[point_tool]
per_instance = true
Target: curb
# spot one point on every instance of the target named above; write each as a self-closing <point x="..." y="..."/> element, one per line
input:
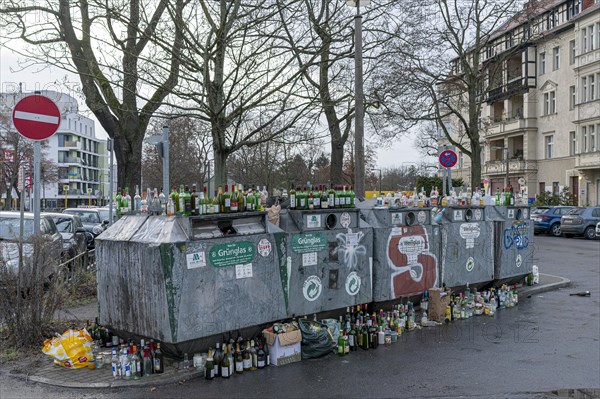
<point x="144" y="382"/>
<point x="563" y="282"/>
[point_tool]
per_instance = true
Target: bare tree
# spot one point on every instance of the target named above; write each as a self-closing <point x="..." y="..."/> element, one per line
<point x="126" y="54"/>
<point x="440" y="74"/>
<point x="189" y="149"/>
<point x="238" y="77"/>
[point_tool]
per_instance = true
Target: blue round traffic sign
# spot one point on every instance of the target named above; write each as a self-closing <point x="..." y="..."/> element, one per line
<point x="448" y="158"/>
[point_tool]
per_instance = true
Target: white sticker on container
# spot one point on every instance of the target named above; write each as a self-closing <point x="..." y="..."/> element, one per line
<point x="264" y="247"/>
<point x="511" y="213"/>
<point x="197" y="259"/>
<point x="313" y="221"/>
<point x="421" y="217"/>
<point x="309" y="259"/>
<point x="470" y="264"/>
<point x="478" y="214"/>
<point x="353" y="284"/>
<point x="396" y="218"/>
<point x="458" y="215"/>
<point x="470" y="231"/>
<point x="345" y="220"/>
<point x="312" y="287"/>
<point x="243" y="271"/>
<point x="519" y="260"/>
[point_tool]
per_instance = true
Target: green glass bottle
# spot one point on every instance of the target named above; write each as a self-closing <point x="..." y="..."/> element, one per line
<point x="175" y="198"/>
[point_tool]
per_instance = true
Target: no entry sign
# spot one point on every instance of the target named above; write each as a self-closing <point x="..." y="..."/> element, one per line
<point x="36" y="117"/>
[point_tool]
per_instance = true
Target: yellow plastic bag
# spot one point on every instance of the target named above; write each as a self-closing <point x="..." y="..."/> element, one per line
<point x="72" y="349"/>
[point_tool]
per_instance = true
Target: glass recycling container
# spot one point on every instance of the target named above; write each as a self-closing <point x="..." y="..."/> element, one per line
<point x="177" y="279"/>
<point x="467" y="249"/>
<point x="405" y="248"/>
<point x="329" y="259"/>
<point x="513" y="242"/>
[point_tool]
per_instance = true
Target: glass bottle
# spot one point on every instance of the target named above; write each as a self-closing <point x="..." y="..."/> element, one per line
<point x="163" y="201"/>
<point x="331" y="198"/>
<point x="226" y="200"/>
<point x="218" y="357"/>
<point x="170" y="206"/>
<point x="234" y="205"/>
<point x="175" y="198"/>
<point x="194" y="202"/>
<point x="137" y="199"/>
<point x="147" y="363"/>
<point x="247" y="358"/>
<point x="209" y="366"/>
<point x="241" y="199"/>
<point x="225" y="370"/>
<point x="239" y="359"/>
<point x="261" y="357"/>
<point x="159" y="364"/>
<point x="253" y="356"/>
<point x="115" y="364"/>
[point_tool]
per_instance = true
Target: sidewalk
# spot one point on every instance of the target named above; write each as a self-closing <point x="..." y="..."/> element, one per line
<point x="44" y="371"/>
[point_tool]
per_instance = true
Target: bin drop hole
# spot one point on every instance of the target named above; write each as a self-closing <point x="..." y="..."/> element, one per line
<point x="226" y="227"/>
<point x="468" y="215"/>
<point x="333" y="278"/>
<point x="331" y="221"/>
<point x="410" y="218"/>
<point x="519" y="214"/>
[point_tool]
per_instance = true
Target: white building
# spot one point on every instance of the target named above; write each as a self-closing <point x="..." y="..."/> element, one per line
<point x="81" y="157"/>
<point x="541" y="118"/>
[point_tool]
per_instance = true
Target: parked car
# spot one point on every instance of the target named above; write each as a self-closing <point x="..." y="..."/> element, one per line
<point x="581" y="222"/>
<point x="598" y="230"/>
<point x="75" y="237"/>
<point x="546" y="219"/>
<point x="9" y="237"/>
<point x="91" y="220"/>
<point x="104" y="214"/>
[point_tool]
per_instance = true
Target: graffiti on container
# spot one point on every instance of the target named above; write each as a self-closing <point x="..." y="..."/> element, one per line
<point x="349" y="248"/>
<point x="414" y="267"/>
<point x="516" y="235"/>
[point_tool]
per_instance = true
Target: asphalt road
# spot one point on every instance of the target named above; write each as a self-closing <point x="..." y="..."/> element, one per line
<point x="550" y="341"/>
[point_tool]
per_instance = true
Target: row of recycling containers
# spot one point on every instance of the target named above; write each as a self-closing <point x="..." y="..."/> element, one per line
<point x="178" y="279"/>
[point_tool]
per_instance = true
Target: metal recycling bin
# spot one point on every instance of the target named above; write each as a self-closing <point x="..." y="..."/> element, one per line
<point x="405" y="248"/>
<point x="467" y="250"/>
<point x="513" y="242"/>
<point x="329" y="259"/>
<point x="178" y="279"/>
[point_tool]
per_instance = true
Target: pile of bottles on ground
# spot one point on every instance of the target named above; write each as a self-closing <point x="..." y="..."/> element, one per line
<point x="456" y="197"/>
<point x="185" y="203"/>
<point x="360" y="327"/>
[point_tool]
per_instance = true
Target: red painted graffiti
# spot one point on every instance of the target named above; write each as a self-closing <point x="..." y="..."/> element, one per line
<point x="414" y="267"/>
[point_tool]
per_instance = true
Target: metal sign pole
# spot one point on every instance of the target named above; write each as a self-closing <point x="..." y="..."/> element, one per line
<point x="37" y="154"/>
<point x="165" y="140"/>
<point x="109" y="147"/>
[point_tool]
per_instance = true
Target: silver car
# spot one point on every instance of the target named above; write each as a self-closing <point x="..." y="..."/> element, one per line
<point x="9" y="240"/>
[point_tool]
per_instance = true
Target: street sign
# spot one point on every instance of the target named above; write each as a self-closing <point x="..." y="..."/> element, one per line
<point x="36" y="117"/>
<point x="65" y="187"/>
<point x="448" y="158"/>
<point x="89" y="190"/>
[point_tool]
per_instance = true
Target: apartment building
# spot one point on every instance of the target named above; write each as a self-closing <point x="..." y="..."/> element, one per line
<point x="80" y="157"/>
<point x="540" y="122"/>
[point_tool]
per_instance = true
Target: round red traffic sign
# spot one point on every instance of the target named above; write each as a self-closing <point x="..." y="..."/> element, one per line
<point x="448" y="158"/>
<point x="36" y="117"/>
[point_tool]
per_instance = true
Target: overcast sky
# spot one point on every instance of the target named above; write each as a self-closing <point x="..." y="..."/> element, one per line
<point x="401" y="150"/>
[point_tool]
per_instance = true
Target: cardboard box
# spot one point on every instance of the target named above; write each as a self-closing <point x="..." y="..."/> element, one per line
<point x="438" y="301"/>
<point x="284" y="348"/>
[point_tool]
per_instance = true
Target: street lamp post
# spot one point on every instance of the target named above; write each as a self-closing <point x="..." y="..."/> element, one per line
<point x="359" y="149"/>
<point x="379" y="170"/>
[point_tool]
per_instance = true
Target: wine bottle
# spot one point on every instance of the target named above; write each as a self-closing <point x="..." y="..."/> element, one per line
<point x="218" y="358"/>
<point x="159" y="365"/>
<point x="209" y="367"/>
<point x="224" y="372"/>
<point x="239" y="360"/>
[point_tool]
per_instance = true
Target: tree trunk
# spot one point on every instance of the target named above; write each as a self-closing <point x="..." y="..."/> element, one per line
<point x="475" y="163"/>
<point x="337" y="160"/>
<point x="129" y="161"/>
<point x="220" y="166"/>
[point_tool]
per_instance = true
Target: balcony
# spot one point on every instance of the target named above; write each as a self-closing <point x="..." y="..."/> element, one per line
<point x="514" y="166"/>
<point x="588" y="160"/>
<point x="512" y="88"/>
<point x="510" y="125"/>
<point x="72" y="144"/>
<point x="70" y="160"/>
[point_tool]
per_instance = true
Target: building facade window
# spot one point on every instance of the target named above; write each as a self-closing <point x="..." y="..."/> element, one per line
<point x="572" y="97"/>
<point x="549" y="140"/>
<point x="584" y="41"/>
<point x="584" y="89"/>
<point x="550" y="102"/>
<point x="555" y="58"/>
<point x="592" y="132"/>
<point x="542" y="63"/>
<point x="572" y="49"/>
<point x="572" y="143"/>
<point x="589" y="88"/>
<point x="555" y="188"/>
<point x="583" y="139"/>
